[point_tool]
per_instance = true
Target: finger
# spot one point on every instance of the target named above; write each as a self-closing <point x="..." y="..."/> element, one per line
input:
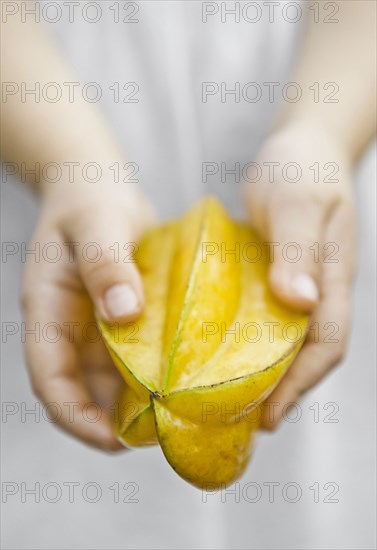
<point x="102" y="379"/>
<point x="326" y="342"/>
<point x="53" y="362"/>
<point x="296" y="222"/>
<point x="105" y="262"/>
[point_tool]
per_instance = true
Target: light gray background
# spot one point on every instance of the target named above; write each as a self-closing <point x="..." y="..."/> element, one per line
<point x="170" y="143"/>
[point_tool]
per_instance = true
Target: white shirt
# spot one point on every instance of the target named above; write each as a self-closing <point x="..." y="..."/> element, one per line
<point x="181" y="60"/>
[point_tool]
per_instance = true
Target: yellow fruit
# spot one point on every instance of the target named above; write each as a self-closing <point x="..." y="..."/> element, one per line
<point x="211" y="345"/>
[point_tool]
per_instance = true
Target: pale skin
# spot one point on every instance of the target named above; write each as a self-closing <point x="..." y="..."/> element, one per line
<point x="75" y="371"/>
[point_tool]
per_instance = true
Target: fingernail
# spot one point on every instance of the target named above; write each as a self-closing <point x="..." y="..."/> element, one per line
<point x="120" y="301"/>
<point x="304" y="286"/>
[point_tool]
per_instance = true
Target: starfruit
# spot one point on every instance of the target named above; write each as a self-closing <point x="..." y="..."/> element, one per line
<point x="210" y="346"/>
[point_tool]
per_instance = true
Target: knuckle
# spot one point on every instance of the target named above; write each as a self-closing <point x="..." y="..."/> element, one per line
<point x="106" y="272"/>
<point x="100" y="270"/>
<point x="26" y="299"/>
<point x="270" y="426"/>
<point x="337" y="355"/>
<point x="37" y="387"/>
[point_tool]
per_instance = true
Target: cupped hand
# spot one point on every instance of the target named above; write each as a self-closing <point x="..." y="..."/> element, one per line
<point x="304" y="207"/>
<point x="85" y="237"/>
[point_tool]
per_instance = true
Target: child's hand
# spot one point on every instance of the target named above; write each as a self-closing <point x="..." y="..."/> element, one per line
<point x="69" y="366"/>
<point x="318" y="217"/>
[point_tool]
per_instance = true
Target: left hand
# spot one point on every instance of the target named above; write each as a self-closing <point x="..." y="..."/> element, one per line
<point x="307" y="212"/>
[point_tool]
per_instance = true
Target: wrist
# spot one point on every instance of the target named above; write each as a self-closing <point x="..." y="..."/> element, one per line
<point x="308" y="130"/>
<point x="92" y="186"/>
<point x="306" y="137"/>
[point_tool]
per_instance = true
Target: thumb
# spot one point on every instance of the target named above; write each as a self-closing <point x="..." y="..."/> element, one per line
<point x="296" y="225"/>
<point x="107" y="266"/>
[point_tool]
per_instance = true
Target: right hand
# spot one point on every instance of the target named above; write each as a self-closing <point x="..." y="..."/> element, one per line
<point x="70" y="366"/>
